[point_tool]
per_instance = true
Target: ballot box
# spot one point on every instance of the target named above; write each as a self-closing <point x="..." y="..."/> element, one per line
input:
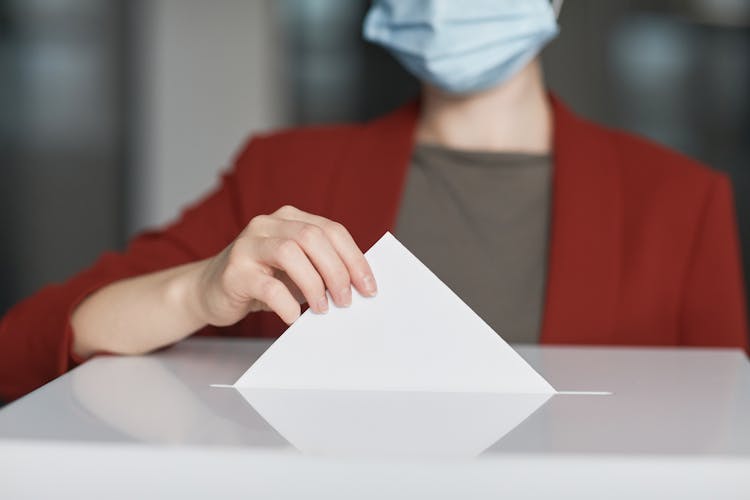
<point x="642" y="423"/>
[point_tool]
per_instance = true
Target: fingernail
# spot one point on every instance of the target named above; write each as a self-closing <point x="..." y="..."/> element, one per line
<point x="322" y="305"/>
<point x="346" y="296"/>
<point x="371" y="288"/>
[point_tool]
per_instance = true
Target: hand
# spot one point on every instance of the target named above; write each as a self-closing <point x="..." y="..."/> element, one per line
<point x="278" y="262"/>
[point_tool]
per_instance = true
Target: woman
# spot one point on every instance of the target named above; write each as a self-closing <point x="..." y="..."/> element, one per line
<point x="627" y="243"/>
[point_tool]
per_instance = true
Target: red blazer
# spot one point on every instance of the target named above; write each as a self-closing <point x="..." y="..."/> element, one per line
<point x="643" y="249"/>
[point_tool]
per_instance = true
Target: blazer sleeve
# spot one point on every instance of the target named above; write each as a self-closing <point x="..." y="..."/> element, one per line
<point x="714" y="307"/>
<point x="35" y="335"/>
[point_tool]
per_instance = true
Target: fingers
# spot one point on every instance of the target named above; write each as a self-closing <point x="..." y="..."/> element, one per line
<point x="313" y="241"/>
<point x="342" y="243"/>
<point x="287" y="255"/>
<point x="276" y="296"/>
<point x="314" y="255"/>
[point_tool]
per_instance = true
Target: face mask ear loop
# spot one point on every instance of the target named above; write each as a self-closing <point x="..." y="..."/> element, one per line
<point x="557" y="6"/>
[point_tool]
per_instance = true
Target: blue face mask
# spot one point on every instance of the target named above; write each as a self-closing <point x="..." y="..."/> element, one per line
<point x="462" y="46"/>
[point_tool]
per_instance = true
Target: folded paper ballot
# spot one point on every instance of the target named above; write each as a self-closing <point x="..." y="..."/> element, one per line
<point x="415" y="335"/>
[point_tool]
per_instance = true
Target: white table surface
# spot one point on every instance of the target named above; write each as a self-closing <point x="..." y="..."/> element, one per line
<point x="676" y="424"/>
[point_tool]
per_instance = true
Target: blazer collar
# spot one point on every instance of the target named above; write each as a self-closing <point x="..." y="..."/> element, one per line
<point x="372" y="174"/>
<point x="585" y="234"/>
<point x="585" y="244"/>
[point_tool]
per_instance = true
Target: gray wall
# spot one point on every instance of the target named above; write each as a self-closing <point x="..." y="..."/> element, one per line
<point x="207" y="77"/>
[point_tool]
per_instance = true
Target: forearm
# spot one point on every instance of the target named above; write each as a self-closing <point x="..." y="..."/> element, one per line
<point x="276" y="262"/>
<point x="140" y="314"/>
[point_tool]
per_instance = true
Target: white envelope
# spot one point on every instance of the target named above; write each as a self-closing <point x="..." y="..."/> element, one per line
<point x="415" y="335"/>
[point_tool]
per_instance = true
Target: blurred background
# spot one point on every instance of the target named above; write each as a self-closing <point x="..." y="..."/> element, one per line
<point x="115" y="113"/>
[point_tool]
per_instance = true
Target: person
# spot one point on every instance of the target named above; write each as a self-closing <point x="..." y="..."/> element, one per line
<point x="554" y="229"/>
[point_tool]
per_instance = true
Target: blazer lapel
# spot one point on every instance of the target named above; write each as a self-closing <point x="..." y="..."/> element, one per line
<point x="372" y="174"/>
<point x="586" y="234"/>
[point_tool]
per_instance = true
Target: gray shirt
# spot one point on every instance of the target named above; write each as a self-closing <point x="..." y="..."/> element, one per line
<point x="480" y="222"/>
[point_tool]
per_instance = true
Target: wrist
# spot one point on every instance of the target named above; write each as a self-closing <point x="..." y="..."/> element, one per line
<point x="183" y="294"/>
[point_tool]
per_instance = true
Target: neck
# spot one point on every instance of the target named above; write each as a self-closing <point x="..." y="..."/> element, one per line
<point x="512" y="117"/>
